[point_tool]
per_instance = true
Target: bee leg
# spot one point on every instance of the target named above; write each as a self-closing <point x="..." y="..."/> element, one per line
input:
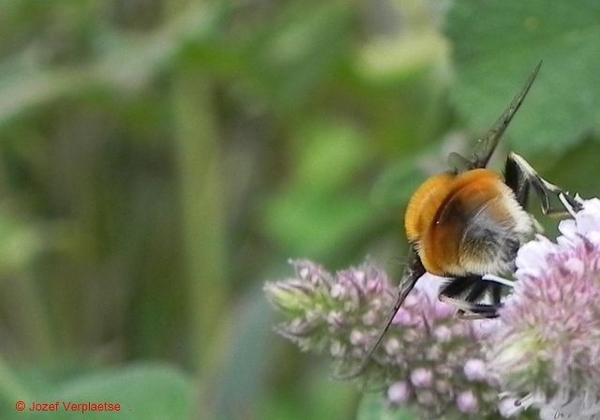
<point x="496" y="284"/>
<point x="470" y="315"/>
<point x="496" y="295"/>
<point x="412" y="273"/>
<point x="474" y="310"/>
<point x="515" y="179"/>
<point x="498" y="281"/>
<point x="467" y="306"/>
<point x="470" y="310"/>
<point x="520" y="176"/>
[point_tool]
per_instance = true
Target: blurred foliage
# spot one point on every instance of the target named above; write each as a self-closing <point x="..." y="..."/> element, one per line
<point x="143" y="391"/>
<point x="491" y="56"/>
<point x="159" y="160"/>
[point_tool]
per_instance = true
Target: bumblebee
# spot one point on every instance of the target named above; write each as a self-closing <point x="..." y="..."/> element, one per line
<point x="469" y="222"/>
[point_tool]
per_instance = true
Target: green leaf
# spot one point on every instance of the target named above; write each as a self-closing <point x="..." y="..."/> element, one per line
<point x="497" y="44"/>
<point x="143" y="391"/>
<point x="372" y="407"/>
<point x="324" y="206"/>
<point x="397" y="184"/>
<point x="327" y="154"/>
<point x="126" y="63"/>
<point x="296" y="55"/>
<point x="313" y="226"/>
<point x="572" y="171"/>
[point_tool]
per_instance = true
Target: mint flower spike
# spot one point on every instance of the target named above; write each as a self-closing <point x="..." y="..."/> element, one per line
<point x="545" y="350"/>
<point x="429" y="360"/>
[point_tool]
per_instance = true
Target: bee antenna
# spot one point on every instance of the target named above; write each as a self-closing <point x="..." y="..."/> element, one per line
<point x="487" y="144"/>
<point x="402" y="293"/>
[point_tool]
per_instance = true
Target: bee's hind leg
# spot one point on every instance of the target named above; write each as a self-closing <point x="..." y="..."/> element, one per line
<point x="520" y="176"/>
<point x="464" y="292"/>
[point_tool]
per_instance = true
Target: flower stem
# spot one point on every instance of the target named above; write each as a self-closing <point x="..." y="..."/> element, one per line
<point x="203" y="219"/>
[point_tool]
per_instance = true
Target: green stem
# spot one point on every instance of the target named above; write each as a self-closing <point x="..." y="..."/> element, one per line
<point x="203" y="218"/>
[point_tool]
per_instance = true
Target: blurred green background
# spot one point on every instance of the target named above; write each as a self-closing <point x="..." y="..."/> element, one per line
<point x="159" y="160"/>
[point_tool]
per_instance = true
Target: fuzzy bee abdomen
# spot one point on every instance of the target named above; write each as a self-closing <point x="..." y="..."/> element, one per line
<point x="476" y="227"/>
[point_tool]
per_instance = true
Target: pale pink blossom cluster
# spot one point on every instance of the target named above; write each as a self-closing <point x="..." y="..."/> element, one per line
<point x="545" y="348"/>
<point x="429" y="360"/>
<point x="543" y="352"/>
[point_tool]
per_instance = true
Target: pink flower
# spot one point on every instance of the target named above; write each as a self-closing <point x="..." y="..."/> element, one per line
<point x="546" y="346"/>
<point x="421" y="361"/>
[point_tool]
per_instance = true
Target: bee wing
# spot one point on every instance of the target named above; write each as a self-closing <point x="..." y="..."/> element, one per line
<point x="487" y="144"/>
<point x="412" y="273"/>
